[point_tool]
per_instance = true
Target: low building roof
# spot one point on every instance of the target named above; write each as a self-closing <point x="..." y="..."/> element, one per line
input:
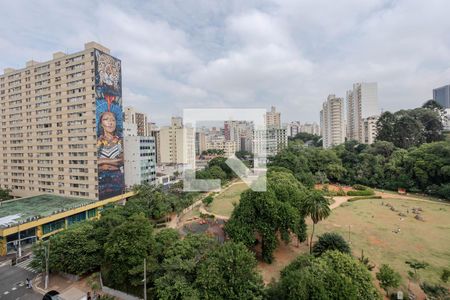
<point x="27" y="209"/>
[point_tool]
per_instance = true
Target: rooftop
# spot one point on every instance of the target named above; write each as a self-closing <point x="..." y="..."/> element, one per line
<point x="24" y="210"/>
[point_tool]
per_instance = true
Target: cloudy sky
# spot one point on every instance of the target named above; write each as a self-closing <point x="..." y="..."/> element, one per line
<point x="216" y="53"/>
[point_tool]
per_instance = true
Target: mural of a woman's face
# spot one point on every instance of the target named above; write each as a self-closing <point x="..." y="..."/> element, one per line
<point x="108" y="122"/>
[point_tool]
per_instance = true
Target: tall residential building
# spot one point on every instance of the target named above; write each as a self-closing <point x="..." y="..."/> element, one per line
<point x="442" y="96"/>
<point x="138" y="118"/>
<point x="370" y="129"/>
<point x="332" y="121"/>
<point x="61" y="126"/>
<point x="362" y="103"/>
<point x="273" y="118"/>
<point x="140" y="160"/>
<point x="176" y="143"/>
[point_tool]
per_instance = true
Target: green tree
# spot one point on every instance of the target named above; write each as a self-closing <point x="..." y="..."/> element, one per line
<point x="388" y="278"/>
<point x="150" y="200"/>
<point x="330" y="241"/>
<point x="73" y="251"/>
<point x="416" y="265"/>
<point x="333" y="275"/>
<point x="125" y="249"/>
<point x="260" y="216"/>
<point x="229" y="272"/>
<point x="179" y="267"/>
<point x="318" y="208"/>
<point x="5" y="194"/>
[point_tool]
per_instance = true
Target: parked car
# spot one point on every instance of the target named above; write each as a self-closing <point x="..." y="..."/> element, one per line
<point x="52" y="295"/>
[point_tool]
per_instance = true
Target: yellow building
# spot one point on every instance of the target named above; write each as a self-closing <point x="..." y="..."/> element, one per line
<point x="26" y="220"/>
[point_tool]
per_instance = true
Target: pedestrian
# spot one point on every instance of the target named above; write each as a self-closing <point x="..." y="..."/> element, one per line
<point x="89" y="296"/>
<point x="30" y="283"/>
<point x="27" y="282"/>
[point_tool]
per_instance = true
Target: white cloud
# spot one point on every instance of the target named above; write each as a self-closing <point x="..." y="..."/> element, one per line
<point x="287" y="53"/>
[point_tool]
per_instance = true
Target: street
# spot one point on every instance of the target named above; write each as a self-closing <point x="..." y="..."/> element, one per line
<point x="12" y="283"/>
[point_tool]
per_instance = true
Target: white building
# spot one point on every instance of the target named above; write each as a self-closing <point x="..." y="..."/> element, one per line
<point x="362" y="103"/>
<point x="332" y="121"/>
<point x="269" y="141"/>
<point x="370" y="129"/>
<point x="140" y="160"/>
<point x="228" y="147"/>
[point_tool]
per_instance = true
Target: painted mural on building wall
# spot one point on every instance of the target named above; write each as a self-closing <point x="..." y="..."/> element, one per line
<point x="109" y="119"/>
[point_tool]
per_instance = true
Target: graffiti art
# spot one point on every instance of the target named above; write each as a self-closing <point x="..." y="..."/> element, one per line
<point x="109" y="120"/>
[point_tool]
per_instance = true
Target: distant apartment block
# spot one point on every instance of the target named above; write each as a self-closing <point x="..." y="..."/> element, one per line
<point x="442" y="96"/>
<point x="270" y="141"/>
<point x="332" y="121"/>
<point x="176" y="143"/>
<point x="61" y="126"/>
<point x="273" y="118"/>
<point x="240" y="132"/>
<point x="362" y="103"/>
<point x="139" y="119"/>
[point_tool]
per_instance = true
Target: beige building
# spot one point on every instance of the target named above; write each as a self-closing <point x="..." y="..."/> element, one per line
<point x="362" y="103"/>
<point x="140" y="119"/>
<point x="332" y="123"/>
<point x="48" y="126"/>
<point x="176" y="144"/>
<point x="273" y="118"/>
<point x="228" y="147"/>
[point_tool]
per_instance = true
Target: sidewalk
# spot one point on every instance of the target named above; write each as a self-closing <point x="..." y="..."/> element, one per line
<point x="68" y="289"/>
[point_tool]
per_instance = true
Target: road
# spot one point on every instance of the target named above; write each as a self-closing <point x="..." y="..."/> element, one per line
<point x="12" y="284"/>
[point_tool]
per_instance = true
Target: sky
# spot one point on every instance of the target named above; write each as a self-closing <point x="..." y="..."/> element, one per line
<point x="244" y="54"/>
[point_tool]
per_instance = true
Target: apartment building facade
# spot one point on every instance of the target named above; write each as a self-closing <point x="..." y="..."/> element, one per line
<point x="140" y="160"/>
<point x="273" y="118"/>
<point x="332" y="121"/>
<point x="61" y="126"/>
<point x="362" y="103"/>
<point x="176" y="143"/>
<point x="140" y="119"/>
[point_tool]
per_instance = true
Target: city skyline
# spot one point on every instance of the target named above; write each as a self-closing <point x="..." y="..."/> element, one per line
<point x="245" y="55"/>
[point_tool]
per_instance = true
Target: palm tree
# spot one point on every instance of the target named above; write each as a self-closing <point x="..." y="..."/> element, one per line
<point x="318" y="208"/>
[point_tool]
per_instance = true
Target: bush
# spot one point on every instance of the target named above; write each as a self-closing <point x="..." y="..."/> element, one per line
<point x="330" y="241"/>
<point x="367" y="192"/>
<point x="208" y="200"/>
<point x="360" y="187"/>
<point x="444" y="191"/>
<point x="340" y="192"/>
<point x="435" y="291"/>
<point x="364" y="198"/>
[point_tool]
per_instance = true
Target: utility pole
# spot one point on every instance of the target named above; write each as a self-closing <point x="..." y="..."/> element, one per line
<point x="145" y="279"/>
<point x="47" y="254"/>
<point x="20" y="246"/>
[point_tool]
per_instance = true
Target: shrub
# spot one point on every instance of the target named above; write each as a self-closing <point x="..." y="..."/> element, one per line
<point x="330" y="241"/>
<point x="360" y="187"/>
<point x="444" y="191"/>
<point x="340" y="192"/>
<point x="208" y="200"/>
<point x="367" y="192"/>
<point x="363" y="198"/>
<point x="435" y="291"/>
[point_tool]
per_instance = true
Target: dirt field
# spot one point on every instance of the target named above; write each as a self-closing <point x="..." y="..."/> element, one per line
<point x="223" y="203"/>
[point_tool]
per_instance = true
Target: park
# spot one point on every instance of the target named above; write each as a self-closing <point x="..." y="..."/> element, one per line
<point x="390" y="230"/>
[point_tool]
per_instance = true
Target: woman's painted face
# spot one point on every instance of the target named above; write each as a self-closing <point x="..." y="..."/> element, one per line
<point x="109" y="122"/>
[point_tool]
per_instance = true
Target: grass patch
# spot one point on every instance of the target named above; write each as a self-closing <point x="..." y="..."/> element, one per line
<point x="223" y="203"/>
<point x="372" y="227"/>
